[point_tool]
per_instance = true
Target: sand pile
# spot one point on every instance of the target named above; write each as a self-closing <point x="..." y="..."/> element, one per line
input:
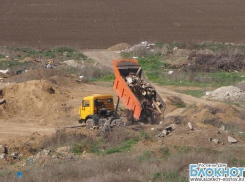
<point x="119" y="47"/>
<point x="33" y="99"/>
<point x="216" y="115"/>
<point x="228" y="94"/>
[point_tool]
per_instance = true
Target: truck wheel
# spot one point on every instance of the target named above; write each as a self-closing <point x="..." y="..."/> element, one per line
<point x="89" y="123"/>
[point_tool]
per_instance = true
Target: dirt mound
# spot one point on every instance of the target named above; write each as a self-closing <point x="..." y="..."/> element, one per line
<point x="228" y="94"/>
<point x="54" y="76"/>
<point x="26" y="145"/>
<point x="218" y="115"/>
<point x="119" y="47"/>
<point x="241" y="85"/>
<point x="212" y="63"/>
<point x="33" y="99"/>
<point x="181" y="52"/>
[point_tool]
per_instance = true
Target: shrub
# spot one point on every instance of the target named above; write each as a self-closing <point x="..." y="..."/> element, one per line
<point x="62" y="137"/>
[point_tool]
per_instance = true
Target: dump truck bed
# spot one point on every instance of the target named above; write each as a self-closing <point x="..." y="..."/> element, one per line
<point x="132" y="88"/>
<point x="122" y="68"/>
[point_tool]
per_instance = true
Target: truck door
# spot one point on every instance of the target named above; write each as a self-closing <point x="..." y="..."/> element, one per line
<point x="86" y="109"/>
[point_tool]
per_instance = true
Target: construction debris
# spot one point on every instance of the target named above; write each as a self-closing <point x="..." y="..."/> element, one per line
<point x="227" y="94"/>
<point x="3" y="156"/>
<point x="16" y="155"/>
<point x="216" y="141"/>
<point x="212" y="63"/>
<point x="160" y="135"/>
<point x="148" y="104"/>
<point x="138" y="49"/>
<point x="171" y="127"/>
<point x="4" y="71"/>
<point x="165" y="132"/>
<point x="144" y="92"/>
<point x="190" y="125"/>
<point x="232" y="140"/>
<point x="222" y="127"/>
<point x="44" y="152"/>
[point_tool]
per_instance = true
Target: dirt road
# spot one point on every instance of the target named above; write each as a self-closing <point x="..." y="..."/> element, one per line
<point x="101" y="24"/>
<point x="103" y="56"/>
<point x="11" y="130"/>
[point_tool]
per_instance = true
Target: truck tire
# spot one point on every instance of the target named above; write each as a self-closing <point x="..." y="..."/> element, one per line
<point x="89" y="123"/>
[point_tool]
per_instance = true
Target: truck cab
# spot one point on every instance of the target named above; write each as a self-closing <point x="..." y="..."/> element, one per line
<point x="99" y="105"/>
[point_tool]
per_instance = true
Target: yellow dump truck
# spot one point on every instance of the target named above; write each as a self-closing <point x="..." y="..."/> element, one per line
<point x="97" y="109"/>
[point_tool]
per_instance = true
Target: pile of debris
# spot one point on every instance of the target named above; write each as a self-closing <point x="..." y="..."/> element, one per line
<point x="166" y="131"/>
<point x="139" y="49"/>
<point x="4" y="150"/>
<point x="213" y="63"/>
<point x="227" y="94"/>
<point x="145" y="93"/>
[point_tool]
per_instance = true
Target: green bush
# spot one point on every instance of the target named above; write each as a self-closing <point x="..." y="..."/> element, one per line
<point x="64" y="49"/>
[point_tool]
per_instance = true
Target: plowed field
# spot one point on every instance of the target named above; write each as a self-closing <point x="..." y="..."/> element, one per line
<point x="103" y="23"/>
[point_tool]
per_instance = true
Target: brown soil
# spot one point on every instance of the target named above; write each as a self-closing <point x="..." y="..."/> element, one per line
<point x="52" y="75"/>
<point x="119" y="47"/>
<point x="33" y="99"/>
<point x="101" y="24"/>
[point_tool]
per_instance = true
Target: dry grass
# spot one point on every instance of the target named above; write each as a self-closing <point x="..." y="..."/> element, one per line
<point x="61" y="137"/>
<point x="117" y="136"/>
<point x="89" y="72"/>
<point x="120" y="167"/>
